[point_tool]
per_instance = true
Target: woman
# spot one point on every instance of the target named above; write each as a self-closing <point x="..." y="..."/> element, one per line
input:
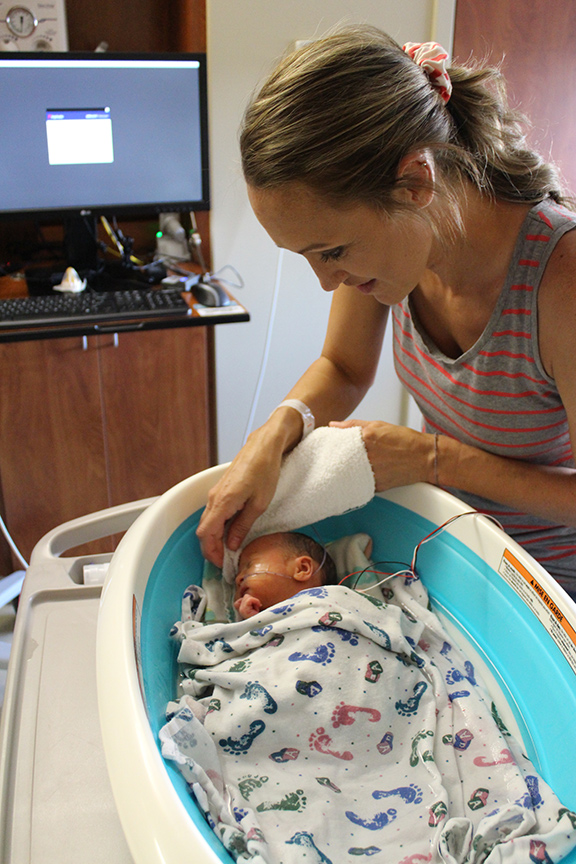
<point x="409" y="187"/>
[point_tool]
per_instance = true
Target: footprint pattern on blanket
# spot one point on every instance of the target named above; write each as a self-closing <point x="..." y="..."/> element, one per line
<point x="262" y="631"/>
<point x="571" y="816"/>
<point x="376" y="823"/>
<point x="240" y="666"/>
<point x="425" y="755"/>
<point x="254" y="690"/>
<point x="533" y="789"/>
<point x="454" y="676"/>
<point x="321" y="742"/>
<point x="505" y="758"/>
<point x="248" y="784"/>
<point x="367" y="850"/>
<point x="295" y="801"/>
<point x="287" y="608"/>
<point x="323" y="654"/>
<point x="306" y="840"/>
<point x="416" y="858"/>
<point x="411" y="705"/>
<point x="345" y="635"/>
<point x="224" y="646"/>
<point x="344" y="715"/>
<point x="384" y="637"/>
<point x="242" y="745"/>
<point x="411" y="794"/>
<point x="325" y="781"/>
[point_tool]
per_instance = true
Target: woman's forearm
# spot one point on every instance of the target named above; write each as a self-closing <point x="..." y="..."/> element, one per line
<point x="329" y="392"/>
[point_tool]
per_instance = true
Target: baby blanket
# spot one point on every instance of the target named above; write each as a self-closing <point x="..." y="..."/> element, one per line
<point x="335" y="726"/>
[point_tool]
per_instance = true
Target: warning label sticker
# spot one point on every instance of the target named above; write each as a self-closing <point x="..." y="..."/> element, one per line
<point x="533" y="594"/>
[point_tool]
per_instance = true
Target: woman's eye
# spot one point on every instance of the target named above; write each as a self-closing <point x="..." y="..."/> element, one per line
<point x="332" y="254"/>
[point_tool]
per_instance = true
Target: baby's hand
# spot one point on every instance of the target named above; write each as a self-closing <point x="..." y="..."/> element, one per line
<point x="248" y="606"/>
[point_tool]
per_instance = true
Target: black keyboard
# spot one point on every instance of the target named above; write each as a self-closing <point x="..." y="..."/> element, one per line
<point x="91" y="307"/>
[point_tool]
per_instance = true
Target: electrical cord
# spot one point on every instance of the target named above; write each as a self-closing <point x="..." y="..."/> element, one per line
<point x="12" y="544"/>
<point x="268" y="341"/>
<point x="409" y="570"/>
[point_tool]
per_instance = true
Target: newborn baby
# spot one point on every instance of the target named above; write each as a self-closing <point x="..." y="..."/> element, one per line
<point x="274" y="567"/>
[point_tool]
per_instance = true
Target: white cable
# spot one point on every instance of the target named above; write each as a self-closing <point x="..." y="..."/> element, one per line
<point x="11" y="543"/>
<point x="264" y="363"/>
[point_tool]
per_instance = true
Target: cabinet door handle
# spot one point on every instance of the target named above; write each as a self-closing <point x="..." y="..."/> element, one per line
<point x="84" y="343"/>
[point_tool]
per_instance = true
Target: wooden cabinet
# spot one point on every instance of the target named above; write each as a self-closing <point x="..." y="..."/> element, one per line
<point x="90" y="423"/>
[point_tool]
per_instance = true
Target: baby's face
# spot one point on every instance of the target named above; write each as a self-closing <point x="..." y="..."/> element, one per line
<point x="265" y="576"/>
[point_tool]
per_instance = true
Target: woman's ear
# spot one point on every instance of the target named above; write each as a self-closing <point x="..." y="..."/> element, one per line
<point x="415" y="178"/>
<point x="304" y="568"/>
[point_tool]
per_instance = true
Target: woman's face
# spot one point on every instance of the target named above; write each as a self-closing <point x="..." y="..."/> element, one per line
<point x="355" y="245"/>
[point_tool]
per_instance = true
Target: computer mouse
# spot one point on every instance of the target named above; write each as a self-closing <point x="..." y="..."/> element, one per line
<point x="210" y="293"/>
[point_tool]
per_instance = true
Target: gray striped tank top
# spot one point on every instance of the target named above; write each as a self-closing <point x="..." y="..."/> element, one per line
<point x="497" y="396"/>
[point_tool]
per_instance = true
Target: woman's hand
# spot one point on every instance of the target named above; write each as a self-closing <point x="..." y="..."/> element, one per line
<point x="248" y="486"/>
<point x="398" y="455"/>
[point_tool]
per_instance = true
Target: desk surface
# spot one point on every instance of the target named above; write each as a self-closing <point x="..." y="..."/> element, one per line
<point x="15" y="286"/>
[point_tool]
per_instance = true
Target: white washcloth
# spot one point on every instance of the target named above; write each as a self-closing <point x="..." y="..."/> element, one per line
<point x="327" y="474"/>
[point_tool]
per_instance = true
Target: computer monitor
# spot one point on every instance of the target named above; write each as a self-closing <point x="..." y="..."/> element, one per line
<point x="85" y="135"/>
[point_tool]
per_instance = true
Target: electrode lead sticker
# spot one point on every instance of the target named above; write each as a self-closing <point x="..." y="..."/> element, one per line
<point x="542" y="605"/>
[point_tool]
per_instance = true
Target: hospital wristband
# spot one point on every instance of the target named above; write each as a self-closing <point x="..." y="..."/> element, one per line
<point x="307" y="416"/>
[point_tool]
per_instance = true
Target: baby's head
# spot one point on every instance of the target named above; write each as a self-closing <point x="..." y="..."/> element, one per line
<point x="274" y="567"/>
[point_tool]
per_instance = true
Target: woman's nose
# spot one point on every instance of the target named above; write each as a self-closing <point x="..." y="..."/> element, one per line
<point x="330" y="279"/>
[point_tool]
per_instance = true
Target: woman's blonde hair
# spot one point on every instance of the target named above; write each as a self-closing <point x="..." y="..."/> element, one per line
<point x="341" y="113"/>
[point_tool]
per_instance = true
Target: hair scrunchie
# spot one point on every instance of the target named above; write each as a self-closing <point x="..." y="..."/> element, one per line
<point x="431" y="57"/>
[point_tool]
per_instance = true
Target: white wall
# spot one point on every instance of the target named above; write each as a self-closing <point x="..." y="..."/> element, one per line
<point x="245" y="38"/>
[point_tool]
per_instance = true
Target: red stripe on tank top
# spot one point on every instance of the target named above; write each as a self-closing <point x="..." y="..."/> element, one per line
<point x="488" y="445"/>
<point x="542" y="557"/>
<point x="512" y="354"/>
<point x="439" y="395"/>
<point x="462" y="384"/>
<point x="528" y="262"/>
<point x="546" y="220"/>
<point x="466" y="430"/>
<point x="439" y="368"/>
<point x="482" y="408"/>
<point x="521" y="287"/>
<point x="541" y="238"/>
<point x="516" y="312"/>
<point x="519" y="334"/>
<point x="501" y="374"/>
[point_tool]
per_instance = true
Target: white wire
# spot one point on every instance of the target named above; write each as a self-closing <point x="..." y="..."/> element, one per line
<point x="265" y="355"/>
<point x="11" y="543"/>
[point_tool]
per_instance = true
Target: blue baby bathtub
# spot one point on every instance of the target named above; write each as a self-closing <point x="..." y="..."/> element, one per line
<point x="508" y="615"/>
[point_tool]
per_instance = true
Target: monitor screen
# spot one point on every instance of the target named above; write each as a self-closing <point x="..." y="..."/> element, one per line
<point x="103" y="134"/>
